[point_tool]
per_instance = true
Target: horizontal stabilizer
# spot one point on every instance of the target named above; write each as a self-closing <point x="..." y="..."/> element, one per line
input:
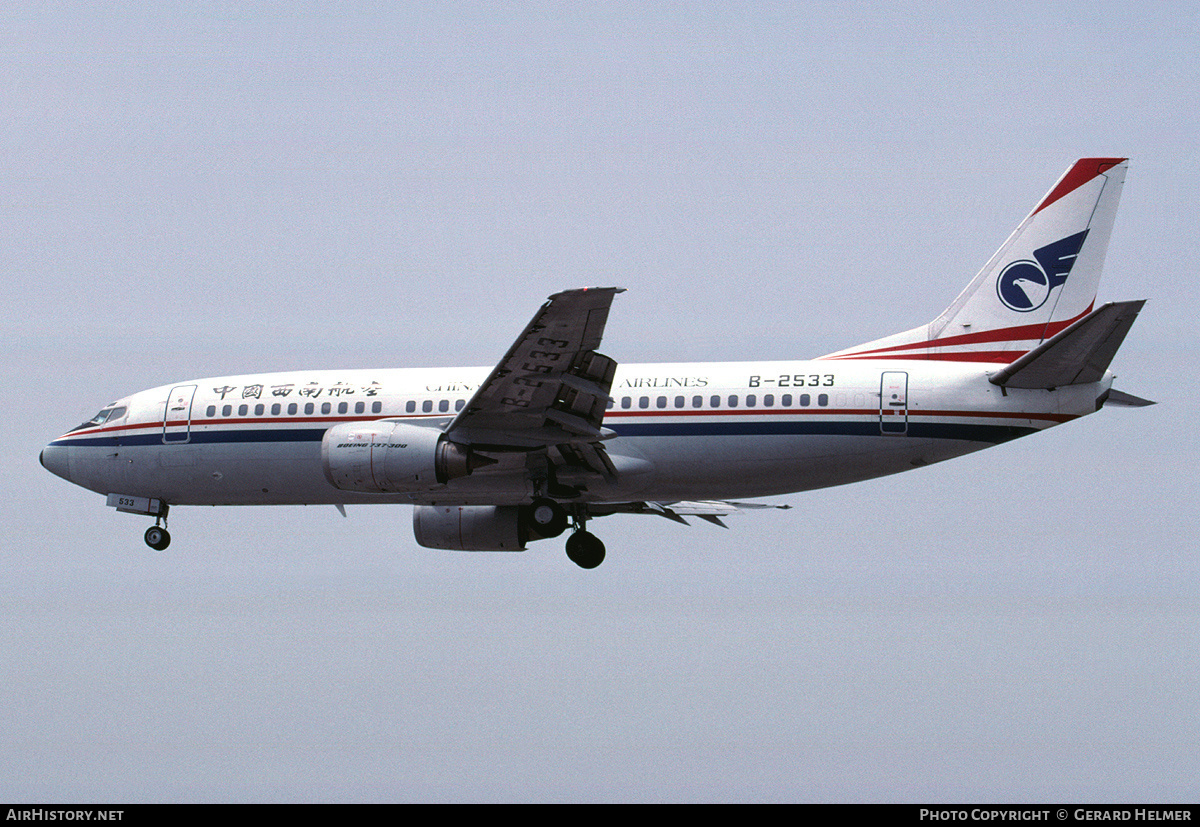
<point x="1078" y="355"/>
<point x="1126" y="400"/>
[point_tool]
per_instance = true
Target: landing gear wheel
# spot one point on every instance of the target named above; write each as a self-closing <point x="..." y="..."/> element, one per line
<point x="585" y="550"/>
<point x="547" y="518"/>
<point x="157" y="537"/>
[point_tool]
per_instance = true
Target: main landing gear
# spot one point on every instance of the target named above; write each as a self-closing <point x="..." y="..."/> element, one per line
<point x="547" y="518"/>
<point x="585" y="549"/>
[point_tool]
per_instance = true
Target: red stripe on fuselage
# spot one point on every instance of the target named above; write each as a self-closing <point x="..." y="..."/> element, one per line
<point x="829" y="411"/>
<point x="1021" y="333"/>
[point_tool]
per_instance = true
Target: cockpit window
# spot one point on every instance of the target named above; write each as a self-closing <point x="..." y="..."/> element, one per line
<point x="106" y="415"/>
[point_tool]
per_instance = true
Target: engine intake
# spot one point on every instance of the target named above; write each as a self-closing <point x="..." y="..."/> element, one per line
<point x="392" y="457"/>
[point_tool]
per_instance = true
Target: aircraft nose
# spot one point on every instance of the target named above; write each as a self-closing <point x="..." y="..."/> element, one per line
<point x="54" y="459"/>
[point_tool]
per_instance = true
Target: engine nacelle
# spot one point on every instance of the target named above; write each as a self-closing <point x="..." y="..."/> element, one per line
<point x="469" y="527"/>
<point x="392" y="457"/>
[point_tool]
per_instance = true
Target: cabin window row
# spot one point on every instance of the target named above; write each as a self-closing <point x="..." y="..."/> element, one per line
<point x="734" y="400"/>
<point x="294" y="408"/>
<point x="308" y="408"/>
<point x="427" y="406"/>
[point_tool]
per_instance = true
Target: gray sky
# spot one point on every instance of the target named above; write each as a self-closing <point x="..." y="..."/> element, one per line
<point x="210" y="188"/>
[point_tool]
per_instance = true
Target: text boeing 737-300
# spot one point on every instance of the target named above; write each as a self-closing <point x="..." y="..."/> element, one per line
<point x="557" y="433"/>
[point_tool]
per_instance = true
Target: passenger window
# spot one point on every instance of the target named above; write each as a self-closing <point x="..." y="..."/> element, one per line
<point x="427" y="406"/>
<point x="259" y="410"/>
<point x="769" y="400"/>
<point x="786" y="400"/>
<point x="326" y="407"/>
<point x="211" y="411"/>
<point x="697" y="401"/>
<point x="376" y="407"/>
<point x="292" y="408"/>
<point x="644" y="402"/>
<point x="462" y="403"/>
<point x="343" y="407"/>
<point x="751" y="400"/>
<point x="714" y="402"/>
<point x="679" y="402"/>
<point x="409" y="407"/>
<point x="627" y="402"/>
<point x="805" y="400"/>
<point x="227" y="410"/>
<point x="360" y="407"/>
<point x="662" y="402"/>
<point x="308" y="407"/>
<point x="275" y="409"/>
<point x="823" y="400"/>
<point x="243" y="410"/>
<point x="443" y="405"/>
<point x="733" y="401"/>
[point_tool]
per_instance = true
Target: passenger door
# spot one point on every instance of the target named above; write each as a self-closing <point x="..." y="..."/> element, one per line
<point x="177" y="415"/>
<point x="893" y="403"/>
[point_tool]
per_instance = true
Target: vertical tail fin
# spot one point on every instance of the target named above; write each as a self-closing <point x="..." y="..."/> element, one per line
<point x="1042" y="279"/>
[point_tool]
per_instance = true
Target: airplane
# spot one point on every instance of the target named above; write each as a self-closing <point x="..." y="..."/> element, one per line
<point x="557" y="434"/>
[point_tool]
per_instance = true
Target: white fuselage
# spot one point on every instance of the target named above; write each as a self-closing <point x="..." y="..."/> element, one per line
<point x="675" y="431"/>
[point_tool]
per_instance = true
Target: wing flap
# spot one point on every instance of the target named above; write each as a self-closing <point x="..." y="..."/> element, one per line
<point x="1126" y="400"/>
<point x="708" y="510"/>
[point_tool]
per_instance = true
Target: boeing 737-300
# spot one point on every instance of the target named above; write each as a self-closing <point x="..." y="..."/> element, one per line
<point x="557" y="434"/>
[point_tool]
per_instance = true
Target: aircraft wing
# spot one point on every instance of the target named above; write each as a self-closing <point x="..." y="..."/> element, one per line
<point x="551" y="388"/>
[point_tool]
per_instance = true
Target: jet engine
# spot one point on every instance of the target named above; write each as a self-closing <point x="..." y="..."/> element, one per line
<point x="487" y="527"/>
<point x="469" y="527"/>
<point x="392" y="457"/>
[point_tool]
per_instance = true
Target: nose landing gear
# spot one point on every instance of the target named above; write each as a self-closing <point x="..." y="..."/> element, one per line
<point x="157" y="537"/>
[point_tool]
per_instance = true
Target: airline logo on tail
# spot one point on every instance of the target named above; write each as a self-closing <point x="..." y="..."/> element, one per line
<point x="1022" y="295"/>
<point x="1024" y="285"/>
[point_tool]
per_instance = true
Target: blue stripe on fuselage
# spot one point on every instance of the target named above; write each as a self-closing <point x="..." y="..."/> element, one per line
<point x="993" y="434"/>
<point x="201" y="437"/>
<point x="924" y="430"/>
